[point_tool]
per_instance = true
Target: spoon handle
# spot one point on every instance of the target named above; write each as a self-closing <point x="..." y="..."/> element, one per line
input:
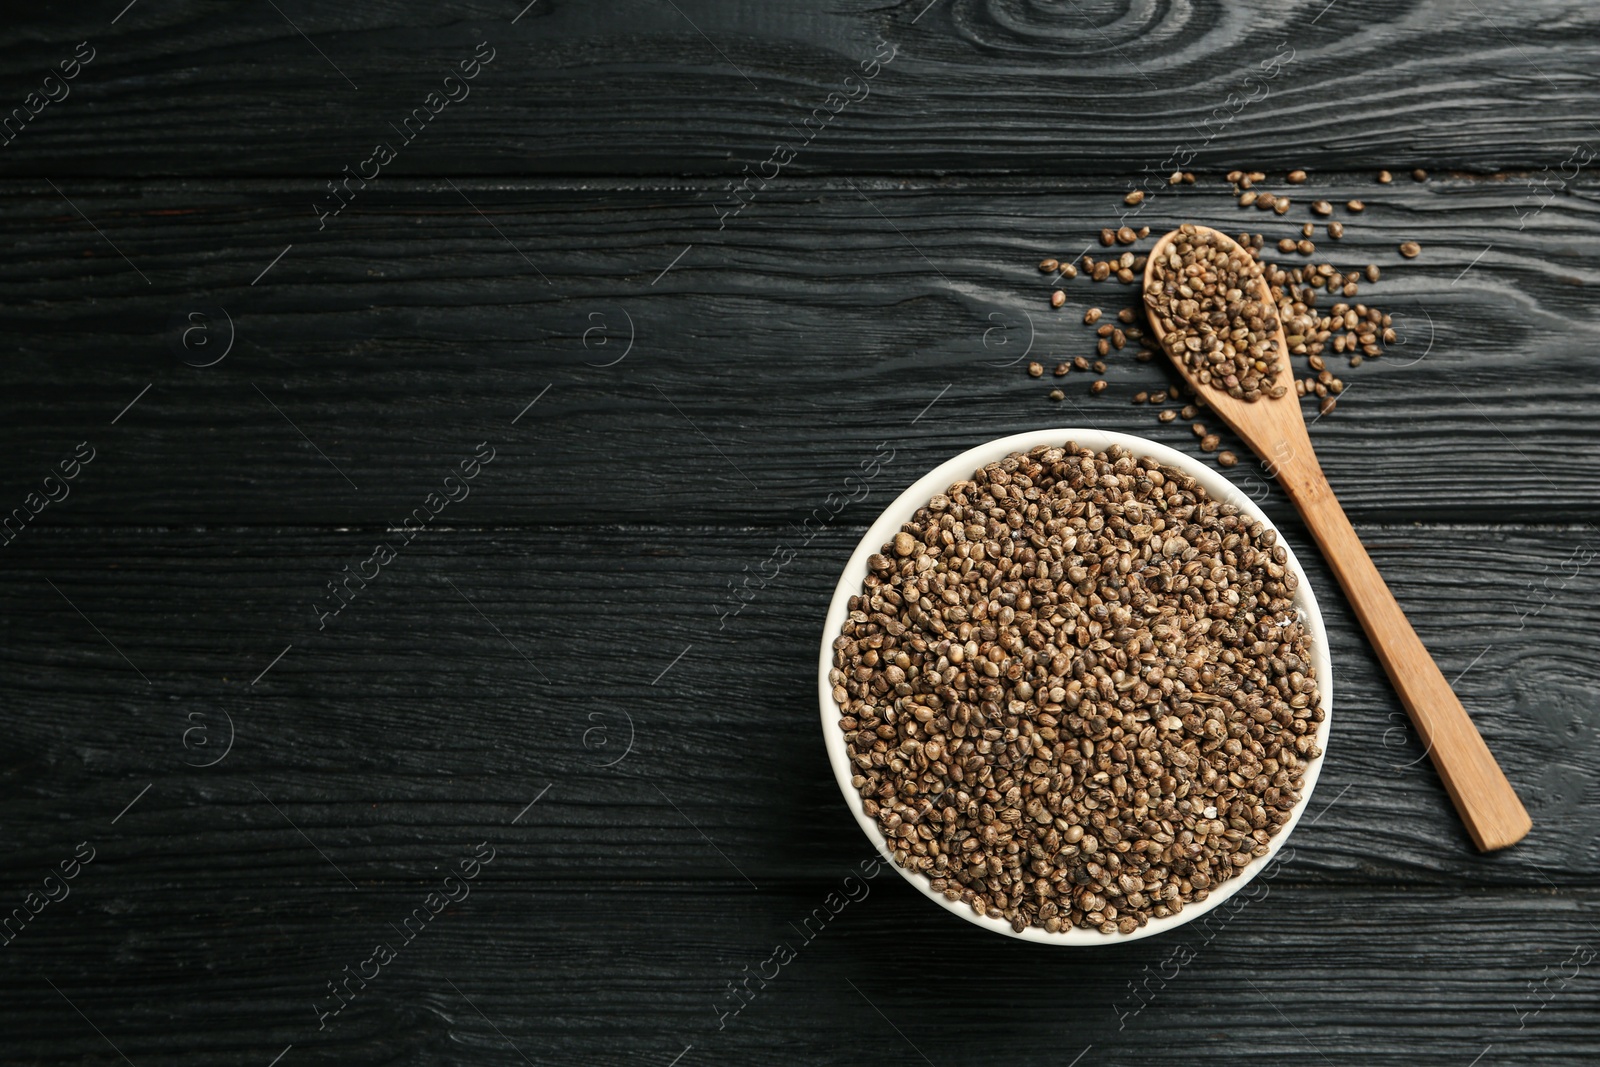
<point x="1487" y="803"/>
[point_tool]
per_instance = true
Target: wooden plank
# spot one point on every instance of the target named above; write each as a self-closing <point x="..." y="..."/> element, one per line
<point x="647" y="88"/>
<point x="617" y="974"/>
<point x="768" y="360"/>
<point x="606" y="665"/>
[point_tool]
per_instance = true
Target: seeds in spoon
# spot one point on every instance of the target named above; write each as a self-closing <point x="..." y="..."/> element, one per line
<point x="1206" y="295"/>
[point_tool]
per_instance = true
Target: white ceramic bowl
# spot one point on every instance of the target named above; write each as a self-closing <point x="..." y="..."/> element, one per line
<point x="960" y="468"/>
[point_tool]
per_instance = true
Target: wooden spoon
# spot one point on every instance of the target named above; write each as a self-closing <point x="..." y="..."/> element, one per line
<point x="1276" y="431"/>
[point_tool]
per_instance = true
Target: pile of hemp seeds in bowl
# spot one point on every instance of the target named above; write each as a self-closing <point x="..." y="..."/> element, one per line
<point x="1076" y="692"/>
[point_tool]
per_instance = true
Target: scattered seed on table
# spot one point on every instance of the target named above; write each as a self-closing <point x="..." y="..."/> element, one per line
<point x="1336" y="229"/>
<point x="1286" y="245"/>
<point x="1188" y="178"/>
<point x="1410" y="249"/>
<point x="1099" y="386"/>
<point x="1068" y="270"/>
<point x="1091" y="316"/>
<point x="1308" y="229"/>
<point x="1158" y="397"/>
<point x="1098" y="367"/>
<point x="1321" y="207"/>
<point x="1056" y="394"/>
<point x="1384" y="177"/>
<point x="1296" y="177"/>
<point x="1327" y="405"/>
<point x="1048" y="265"/>
<point x="1144" y="231"/>
<point x="1135" y="197"/>
<point x="1356" y="207"/>
<point x="1373" y="273"/>
<point x="1189" y="411"/>
<point x="1062" y="369"/>
<point x="1265" y="201"/>
<point x="1280" y="206"/>
<point x="1306" y="247"/>
<point x="1175" y="177"/>
<point x="1057" y="298"/>
<point x="1108" y="237"/>
<point x="1419" y="175"/>
<point x="1246" y="199"/>
<point x="1210" y="442"/>
<point x="1080" y="363"/>
<point x="1125" y="235"/>
<point x="1168" y="415"/>
<point x="1199" y="429"/>
<point x="1227" y="459"/>
<point x="1101" y="272"/>
<point x="1034" y="370"/>
<point x="1103" y="347"/>
<point x="1140" y="397"/>
<point x="1125" y="315"/>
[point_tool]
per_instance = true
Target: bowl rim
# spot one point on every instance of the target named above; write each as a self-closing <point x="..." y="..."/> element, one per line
<point x="961" y="467"/>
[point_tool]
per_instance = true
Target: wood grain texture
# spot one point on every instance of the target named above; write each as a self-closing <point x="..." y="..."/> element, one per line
<point x="991" y="86"/>
<point x="422" y="711"/>
<point x="765" y="366"/>
<point x="558" y="665"/>
<point x="623" y="974"/>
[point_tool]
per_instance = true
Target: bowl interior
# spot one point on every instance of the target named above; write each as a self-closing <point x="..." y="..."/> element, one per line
<point x="961" y="467"/>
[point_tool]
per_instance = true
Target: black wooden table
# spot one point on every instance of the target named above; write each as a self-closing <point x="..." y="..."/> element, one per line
<point x="410" y="413"/>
